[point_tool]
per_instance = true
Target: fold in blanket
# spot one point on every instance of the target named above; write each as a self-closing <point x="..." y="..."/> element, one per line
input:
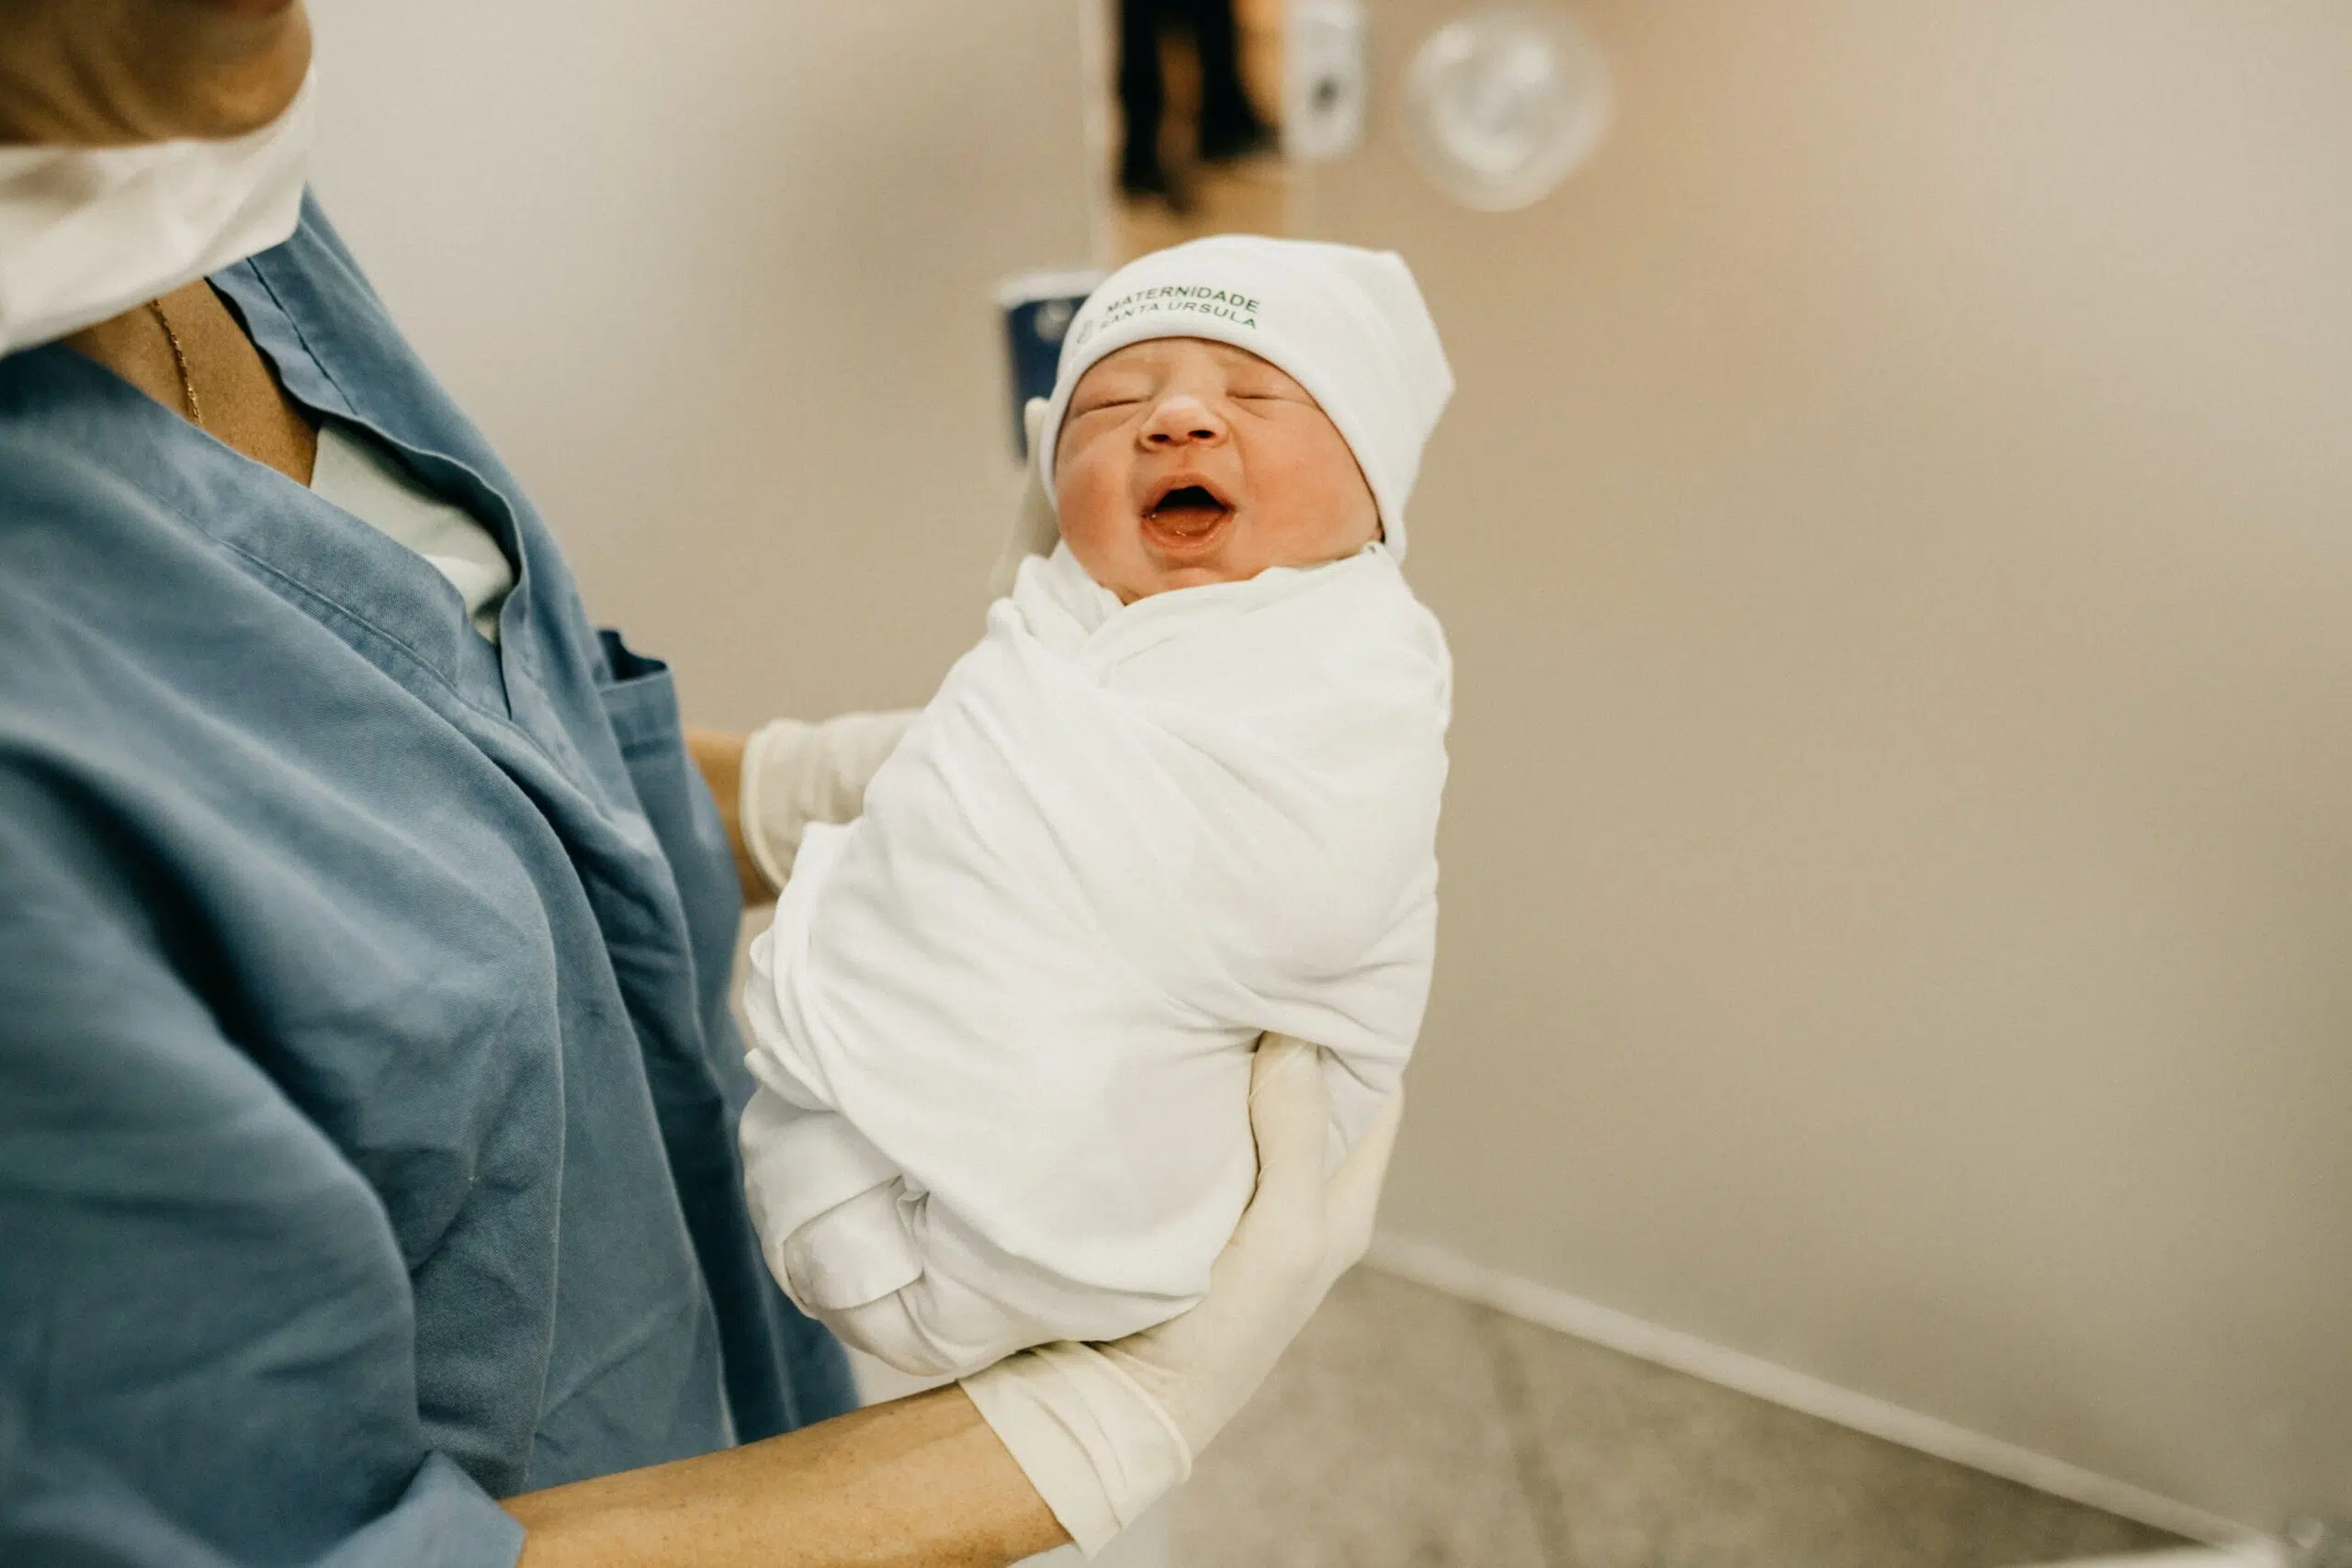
<point x="1002" y="1022"/>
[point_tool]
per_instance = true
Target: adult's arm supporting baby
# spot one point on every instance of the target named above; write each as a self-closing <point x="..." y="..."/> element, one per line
<point x="1102" y="1430"/>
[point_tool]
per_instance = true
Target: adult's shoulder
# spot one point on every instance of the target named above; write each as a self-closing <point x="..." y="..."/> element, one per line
<point x="319" y="242"/>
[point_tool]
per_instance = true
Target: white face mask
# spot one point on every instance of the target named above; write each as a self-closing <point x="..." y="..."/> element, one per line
<point x="88" y="232"/>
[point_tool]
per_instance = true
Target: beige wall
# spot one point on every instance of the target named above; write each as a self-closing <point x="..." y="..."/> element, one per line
<point x="718" y="276"/>
<point x="1896" y="530"/>
<point x="1897" y="534"/>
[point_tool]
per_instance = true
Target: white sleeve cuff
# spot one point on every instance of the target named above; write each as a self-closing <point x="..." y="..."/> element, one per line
<point x="1098" y="1448"/>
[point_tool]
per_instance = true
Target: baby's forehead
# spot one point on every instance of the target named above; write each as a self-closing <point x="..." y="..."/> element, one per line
<point x="1157" y="353"/>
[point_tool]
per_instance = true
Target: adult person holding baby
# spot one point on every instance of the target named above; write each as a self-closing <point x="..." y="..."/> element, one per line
<point x="367" y="1183"/>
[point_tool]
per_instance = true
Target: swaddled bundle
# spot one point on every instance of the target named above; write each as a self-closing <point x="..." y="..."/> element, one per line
<point x="1002" y="1022"/>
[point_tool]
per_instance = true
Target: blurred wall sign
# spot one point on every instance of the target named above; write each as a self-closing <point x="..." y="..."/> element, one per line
<point x="1324" y="79"/>
<point x="1502" y="105"/>
<point x="1038" y="307"/>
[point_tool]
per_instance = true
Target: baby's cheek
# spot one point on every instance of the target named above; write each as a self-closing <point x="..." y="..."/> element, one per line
<point x="1321" y="514"/>
<point x="1089" y="523"/>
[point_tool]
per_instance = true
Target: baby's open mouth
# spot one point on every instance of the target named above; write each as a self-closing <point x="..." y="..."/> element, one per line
<point x="1186" y="514"/>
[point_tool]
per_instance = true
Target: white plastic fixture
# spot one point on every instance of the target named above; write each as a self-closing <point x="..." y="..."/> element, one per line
<point x="1502" y="105"/>
<point x="1324" y="79"/>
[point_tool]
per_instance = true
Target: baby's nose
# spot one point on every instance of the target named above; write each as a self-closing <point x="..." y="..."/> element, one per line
<point x="1182" y="419"/>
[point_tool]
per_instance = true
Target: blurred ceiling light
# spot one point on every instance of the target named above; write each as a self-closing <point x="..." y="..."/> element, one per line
<point x="1502" y="105"/>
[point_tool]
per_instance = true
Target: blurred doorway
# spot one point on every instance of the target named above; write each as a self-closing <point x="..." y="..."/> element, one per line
<point x="1194" y="92"/>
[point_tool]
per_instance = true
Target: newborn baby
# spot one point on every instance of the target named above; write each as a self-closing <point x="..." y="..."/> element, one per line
<point x="1185" y="792"/>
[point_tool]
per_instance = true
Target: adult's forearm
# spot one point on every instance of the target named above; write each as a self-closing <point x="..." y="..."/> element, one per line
<point x="920" y="1481"/>
<point x="719" y="754"/>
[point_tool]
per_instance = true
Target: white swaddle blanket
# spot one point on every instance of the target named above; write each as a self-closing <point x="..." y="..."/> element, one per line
<point x="1002" y="1022"/>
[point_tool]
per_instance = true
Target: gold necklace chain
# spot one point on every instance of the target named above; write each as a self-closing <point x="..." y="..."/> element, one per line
<point x="179" y="358"/>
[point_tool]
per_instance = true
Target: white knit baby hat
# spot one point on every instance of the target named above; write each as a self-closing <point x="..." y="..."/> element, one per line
<point x="1348" y="324"/>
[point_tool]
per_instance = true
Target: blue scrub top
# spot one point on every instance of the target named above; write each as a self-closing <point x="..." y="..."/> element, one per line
<point x="368" y="1089"/>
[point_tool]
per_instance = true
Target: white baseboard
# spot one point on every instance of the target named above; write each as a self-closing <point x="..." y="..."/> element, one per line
<point x="2258" y="1556"/>
<point x="1582" y="1319"/>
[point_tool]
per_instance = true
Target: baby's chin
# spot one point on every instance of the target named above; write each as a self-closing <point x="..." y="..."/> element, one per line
<point x="1146" y="573"/>
<point x="1169" y="579"/>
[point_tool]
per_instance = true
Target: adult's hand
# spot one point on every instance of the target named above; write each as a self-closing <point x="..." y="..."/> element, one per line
<point x="773" y="783"/>
<point x="1061" y="1442"/>
<point x="1102" y="1430"/>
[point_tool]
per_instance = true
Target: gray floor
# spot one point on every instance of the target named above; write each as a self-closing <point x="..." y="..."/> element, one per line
<point x="1408" y="1428"/>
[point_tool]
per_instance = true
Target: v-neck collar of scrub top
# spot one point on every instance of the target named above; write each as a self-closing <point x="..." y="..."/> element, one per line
<point x="378" y="593"/>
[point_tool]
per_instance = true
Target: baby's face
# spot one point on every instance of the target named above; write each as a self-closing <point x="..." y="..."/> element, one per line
<point x="1183" y="462"/>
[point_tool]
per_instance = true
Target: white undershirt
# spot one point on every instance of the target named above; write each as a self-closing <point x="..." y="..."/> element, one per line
<point x="366" y="479"/>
